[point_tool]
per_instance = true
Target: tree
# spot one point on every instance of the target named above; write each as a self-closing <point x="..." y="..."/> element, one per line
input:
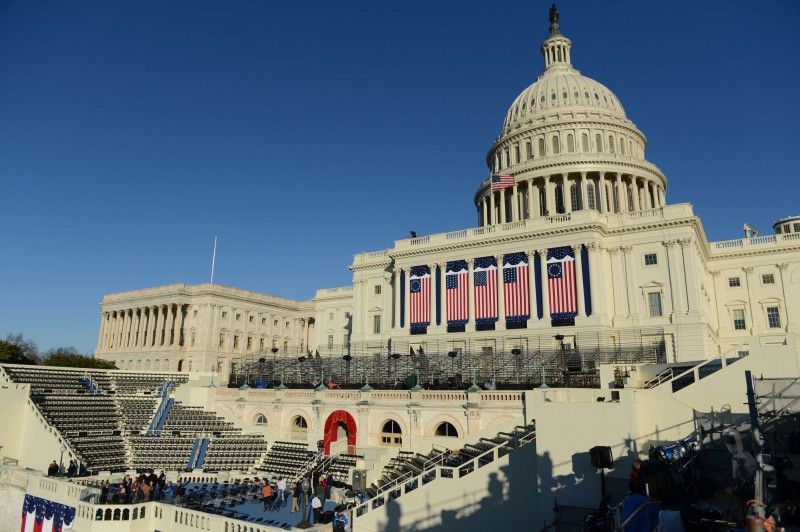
<point x="69" y="357"/>
<point x="11" y="353"/>
<point x="29" y="349"/>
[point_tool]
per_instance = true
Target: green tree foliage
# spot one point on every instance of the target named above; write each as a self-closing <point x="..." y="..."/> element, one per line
<point x="69" y="357"/>
<point x="13" y="354"/>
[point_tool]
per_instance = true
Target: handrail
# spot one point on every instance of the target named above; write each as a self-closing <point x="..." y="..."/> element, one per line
<point x="620" y="526"/>
<point x="722" y="357"/>
<point x="518" y="441"/>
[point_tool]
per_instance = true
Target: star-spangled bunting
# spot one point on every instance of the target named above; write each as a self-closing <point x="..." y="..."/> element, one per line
<point x="457" y="292"/>
<point x="485" y="282"/>
<point x="420" y="295"/>
<point x="561" y="283"/>
<point x="516" y="286"/>
<point x="42" y="515"/>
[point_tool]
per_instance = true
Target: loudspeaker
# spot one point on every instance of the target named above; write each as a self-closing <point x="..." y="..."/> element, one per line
<point x="359" y="479"/>
<point x="602" y="457"/>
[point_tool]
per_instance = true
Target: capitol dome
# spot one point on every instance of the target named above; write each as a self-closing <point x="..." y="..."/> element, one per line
<point x="566" y="145"/>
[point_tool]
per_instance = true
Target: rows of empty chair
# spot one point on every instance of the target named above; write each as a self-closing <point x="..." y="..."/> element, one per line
<point x="194" y="420"/>
<point x="341" y="465"/>
<point x="137" y="412"/>
<point x="234" y="453"/>
<point x="287" y="459"/>
<point x="134" y="383"/>
<point x="101" y="452"/>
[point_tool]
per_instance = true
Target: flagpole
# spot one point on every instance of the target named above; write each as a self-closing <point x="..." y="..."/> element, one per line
<point x="213" y="259"/>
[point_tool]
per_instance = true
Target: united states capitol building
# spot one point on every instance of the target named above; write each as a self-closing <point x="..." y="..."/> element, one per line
<point x="582" y="310"/>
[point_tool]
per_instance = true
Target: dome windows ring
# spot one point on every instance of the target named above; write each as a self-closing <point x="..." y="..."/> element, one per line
<point x="564" y="95"/>
<point x="586" y="94"/>
<point x="575" y="95"/>
<point x="553" y="96"/>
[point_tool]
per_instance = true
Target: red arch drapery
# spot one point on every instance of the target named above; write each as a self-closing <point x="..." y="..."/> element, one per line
<point x="331" y="430"/>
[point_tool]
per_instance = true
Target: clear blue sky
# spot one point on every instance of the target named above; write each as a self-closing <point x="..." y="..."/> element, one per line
<point x="303" y="132"/>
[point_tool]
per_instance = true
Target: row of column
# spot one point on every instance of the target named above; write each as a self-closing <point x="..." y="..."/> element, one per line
<point x="151" y="326"/>
<point x="594" y="287"/>
<point x="610" y="192"/>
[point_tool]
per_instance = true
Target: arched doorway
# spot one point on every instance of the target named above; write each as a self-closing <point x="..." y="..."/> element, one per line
<point x="337" y="419"/>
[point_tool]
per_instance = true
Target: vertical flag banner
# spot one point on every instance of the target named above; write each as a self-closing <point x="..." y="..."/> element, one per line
<point x="516" y="288"/>
<point x="457" y="294"/>
<point x="561" y="286"/>
<point x="419" y="299"/>
<point x="42" y="515"/>
<point x="485" y="281"/>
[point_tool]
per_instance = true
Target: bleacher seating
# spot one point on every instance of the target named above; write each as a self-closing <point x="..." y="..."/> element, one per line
<point x="287" y="459"/>
<point x="107" y="430"/>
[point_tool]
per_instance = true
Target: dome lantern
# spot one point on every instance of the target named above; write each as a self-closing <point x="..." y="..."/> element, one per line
<point x="556" y="48"/>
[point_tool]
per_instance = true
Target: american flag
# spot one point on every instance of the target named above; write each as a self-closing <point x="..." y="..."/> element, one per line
<point x="499" y="182"/>
<point x="516" y="288"/>
<point x="485" y="280"/>
<point x="457" y="292"/>
<point x="561" y="282"/>
<point x="420" y="297"/>
<point x="42" y="515"/>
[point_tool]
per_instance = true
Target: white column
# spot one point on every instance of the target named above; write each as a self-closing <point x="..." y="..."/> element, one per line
<point x="102" y="330"/>
<point x="622" y="198"/>
<point x="601" y="186"/>
<point x="635" y="193"/>
<point x="484" y="209"/>
<point x="407" y="297"/>
<point x="501" y="294"/>
<point x="579" y="279"/>
<point x="530" y="198"/>
<point x="660" y="193"/>
<point x="502" y="194"/>
<point x="396" y="315"/>
<point x="545" y="291"/>
<point x="471" y="294"/>
<point x="550" y="197"/>
<point x="583" y="201"/>
<point x="566" y="192"/>
<point x="594" y="287"/>
<point x="142" y="326"/>
<point x="491" y="206"/>
<point x="515" y="217"/>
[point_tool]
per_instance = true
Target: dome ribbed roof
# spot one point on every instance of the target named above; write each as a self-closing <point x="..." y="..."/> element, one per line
<point x="559" y="91"/>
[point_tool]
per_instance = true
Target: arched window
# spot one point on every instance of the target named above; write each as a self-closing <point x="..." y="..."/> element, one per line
<point x="391" y="434"/>
<point x="516" y="153"/>
<point x="299" y="429"/>
<point x="126" y="514"/>
<point x="590" y="196"/>
<point x="570" y="143"/>
<point x="585" y="142"/>
<point x="261" y="419"/>
<point x="556" y="146"/>
<point x="180" y="365"/>
<point x="541" y="147"/>
<point x="446" y="429"/>
<point x="610" y="144"/>
<point x="108" y="515"/>
<point x="598" y="143"/>
<point x="98" y="516"/>
<point x="141" y="514"/>
<point x="136" y="513"/>
<point x="529" y="150"/>
<point x="622" y="146"/>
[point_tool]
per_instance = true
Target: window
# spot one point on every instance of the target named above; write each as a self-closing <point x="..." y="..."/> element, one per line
<point x="330" y="341"/>
<point x="376" y="324"/>
<point x="575" y="198"/>
<point x="299" y="430"/>
<point x="738" y="319"/>
<point x="251" y="319"/>
<point x="610" y="144"/>
<point x="650" y="259"/>
<point x="236" y="341"/>
<point x="516" y="153"/>
<point x="570" y="143"/>
<point x="238" y="316"/>
<point x="556" y="147"/>
<point x="559" y="199"/>
<point x="288" y="325"/>
<point x="529" y="150"/>
<point x="446" y="429"/>
<point x="391" y="434"/>
<point x="263" y="321"/>
<point x="376" y="289"/>
<point x="191" y="341"/>
<point x="786" y="228"/>
<point x="261" y="344"/>
<point x="590" y="196"/>
<point x="224" y="314"/>
<point x="275" y="323"/>
<point x="796" y="226"/>
<point x="734" y="282"/>
<point x="654" y="304"/>
<point x="773" y="317"/>
<point x="598" y="143"/>
<point x="767" y="278"/>
<point x="221" y="340"/>
<point x="541" y="147"/>
<point x="621" y="146"/>
<point x="330" y="316"/>
<point x="261" y="419"/>
<point x="249" y="343"/>
<point x="585" y="142"/>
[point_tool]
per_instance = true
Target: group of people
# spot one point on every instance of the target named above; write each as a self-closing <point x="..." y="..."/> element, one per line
<point x="73" y="470"/>
<point x="303" y="496"/>
<point x="144" y="488"/>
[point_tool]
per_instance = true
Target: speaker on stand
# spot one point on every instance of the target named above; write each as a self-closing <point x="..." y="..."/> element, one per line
<point x="602" y="459"/>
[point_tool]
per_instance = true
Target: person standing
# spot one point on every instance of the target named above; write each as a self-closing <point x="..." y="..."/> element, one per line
<point x="266" y="494"/>
<point x="328" y="485"/>
<point x="316" y="506"/>
<point x="298" y="492"/>
<point x="104" y="492"/>
<point x="339" y="521"/>
<point x="281" y="490"/>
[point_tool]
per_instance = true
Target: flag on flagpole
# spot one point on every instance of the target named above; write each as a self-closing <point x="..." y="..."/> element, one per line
<point x="561" y="282"/>
<point x="499" y="182"/>
<point x="516" y="286"/>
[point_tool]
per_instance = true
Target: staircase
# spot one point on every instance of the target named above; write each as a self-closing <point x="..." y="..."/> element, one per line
<point x="198" y="455"/>
<point x="163" y="409"/>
